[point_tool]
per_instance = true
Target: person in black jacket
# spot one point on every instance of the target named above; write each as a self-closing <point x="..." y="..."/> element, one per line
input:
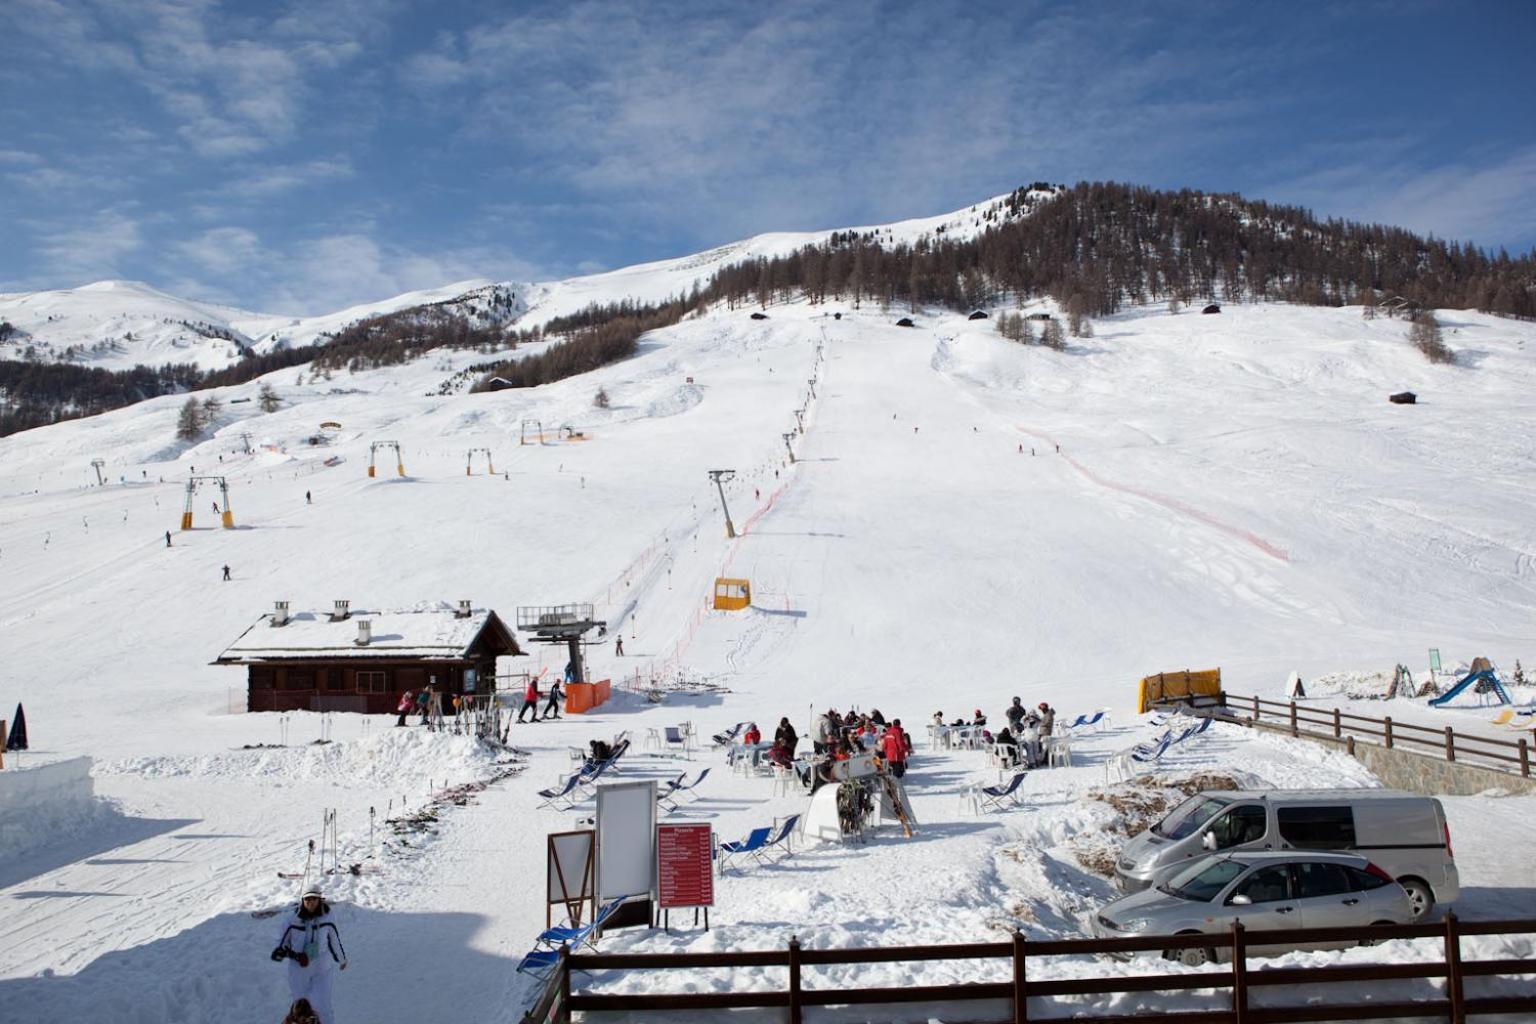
<point x="786" y="735"/>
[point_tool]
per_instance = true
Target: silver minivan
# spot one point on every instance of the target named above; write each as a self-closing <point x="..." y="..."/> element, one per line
<point x="1405" y="834"/>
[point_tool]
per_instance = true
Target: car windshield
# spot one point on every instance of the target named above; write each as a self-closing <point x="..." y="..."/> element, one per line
<point x="1203" y="882"/>
<point x="1187" y="817"/>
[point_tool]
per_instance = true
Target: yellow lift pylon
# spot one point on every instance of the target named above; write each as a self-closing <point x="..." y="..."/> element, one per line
<point x="226" y="514"/>
<point x="373" y="451"/>
<point x="469" y="462"/>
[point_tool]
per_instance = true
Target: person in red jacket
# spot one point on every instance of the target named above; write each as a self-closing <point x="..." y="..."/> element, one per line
<point x="530" y="700"/>
<point x="894" y="747"/>
<point x="752" y="735"/>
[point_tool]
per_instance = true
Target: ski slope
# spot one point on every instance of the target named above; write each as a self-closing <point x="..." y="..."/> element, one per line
<point x="1229" y="490"/>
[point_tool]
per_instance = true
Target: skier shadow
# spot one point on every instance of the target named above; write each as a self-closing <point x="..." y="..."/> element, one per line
<point x="111" y="830"/>
<point x="220" y="972"/>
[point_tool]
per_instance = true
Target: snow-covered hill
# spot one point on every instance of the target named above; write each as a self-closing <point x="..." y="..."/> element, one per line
<point x="119" y="324"/>
<point x="966" y="519"/>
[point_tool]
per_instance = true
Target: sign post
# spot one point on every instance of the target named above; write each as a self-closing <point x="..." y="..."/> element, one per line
<point x="685" y="870"/>
<point x="569" y="874"/>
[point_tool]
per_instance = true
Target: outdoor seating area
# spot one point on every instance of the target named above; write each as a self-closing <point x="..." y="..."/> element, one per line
<point x="1133" y="761"/>
<point x="761" y="844"/>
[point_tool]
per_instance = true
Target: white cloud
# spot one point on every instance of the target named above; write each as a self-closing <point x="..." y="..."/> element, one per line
<point x="1476" y="199"/>
<point x="91" y="250"/>
<point x="19" y="156"/>
<point x="227" y="250"/>
<point x="271" y="181"/>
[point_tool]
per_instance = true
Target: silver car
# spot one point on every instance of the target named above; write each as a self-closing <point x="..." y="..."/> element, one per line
<point x="1266" y="891"/>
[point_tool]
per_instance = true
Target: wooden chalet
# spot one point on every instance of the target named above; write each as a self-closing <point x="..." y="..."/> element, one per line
<point x="363" y="661"/>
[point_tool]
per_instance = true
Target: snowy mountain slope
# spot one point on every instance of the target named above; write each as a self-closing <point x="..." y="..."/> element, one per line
<point x="664" y="279"/>
<point x="1230" y="490"/>
<point x="120" y="324"/>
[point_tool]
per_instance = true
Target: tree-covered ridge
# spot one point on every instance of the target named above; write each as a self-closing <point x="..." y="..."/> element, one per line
<point x="1099" y="247"/>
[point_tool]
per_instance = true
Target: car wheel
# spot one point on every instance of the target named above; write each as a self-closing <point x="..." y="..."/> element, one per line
<point x="1421" y="899"/>
<point x="1375" y="942"/>
<point x="1192" y="956"/>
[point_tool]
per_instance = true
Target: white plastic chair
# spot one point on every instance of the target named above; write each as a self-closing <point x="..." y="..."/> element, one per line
<point x="970" y="798"/>
<point x="652" y="739"/>
<point x="1060" y="754"/>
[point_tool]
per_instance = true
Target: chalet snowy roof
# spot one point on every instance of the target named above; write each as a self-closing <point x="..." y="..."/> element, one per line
<point x="437" y="632"/>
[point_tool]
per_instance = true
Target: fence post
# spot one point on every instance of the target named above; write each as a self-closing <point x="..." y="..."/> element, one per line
<point x="1453" y="978"/>
<point x="1293" y="718"/>
<point x="1020" y="993"/>
<point x="1387" y="735"/>
<point x="564" y="1015"/>
<point x="1450" y="744"/>
<point x="1349" y="745"/>
<point x="1338" y="724"/>
<point x="1257" y="711"/>
<point x="1239" y="974"/>
<point x="1525" y="754"/>
<point x="794" y="979"/>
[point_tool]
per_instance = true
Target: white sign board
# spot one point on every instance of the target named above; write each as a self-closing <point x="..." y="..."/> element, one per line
<point x="626" y="840"/>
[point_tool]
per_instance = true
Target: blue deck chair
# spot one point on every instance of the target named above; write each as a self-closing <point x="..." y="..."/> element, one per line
<point x="1002" y="795"/>
<point x="539" y="963"/>
<point x="692" y="788"/>
<point x="1083" y="721"/>
<point x="755" y="841"/>
<point x="726" y="738"/>
<point x="554" y="938"/>
<point x="780" y="841"/>
<point x="565" y="796"/>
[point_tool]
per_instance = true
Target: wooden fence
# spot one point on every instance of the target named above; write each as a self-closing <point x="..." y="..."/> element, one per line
<point x="1512" y="756"/>
<point x="1014" y="988"/>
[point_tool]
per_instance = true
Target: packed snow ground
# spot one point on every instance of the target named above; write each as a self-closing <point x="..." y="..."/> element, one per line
<point x="1229" y="490"/>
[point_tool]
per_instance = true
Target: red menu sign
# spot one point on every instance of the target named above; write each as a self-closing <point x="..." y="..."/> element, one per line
<point x="685" y="874"/>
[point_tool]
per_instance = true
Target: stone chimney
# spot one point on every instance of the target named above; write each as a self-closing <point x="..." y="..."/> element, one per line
<point x="280" y="613"/>
<point x="341" y="613"/>
<point x="364" y="632"/>
<point x="464" y="611"/>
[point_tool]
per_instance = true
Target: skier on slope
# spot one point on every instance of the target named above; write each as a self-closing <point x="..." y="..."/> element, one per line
<point x="311" y="944"/>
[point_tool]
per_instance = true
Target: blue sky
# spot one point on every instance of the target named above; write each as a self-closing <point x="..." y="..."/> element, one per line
<point x="299" y="157"/>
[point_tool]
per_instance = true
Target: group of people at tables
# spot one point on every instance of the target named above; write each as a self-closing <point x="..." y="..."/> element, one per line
<point x="839" y="738"/>
<point x="1021" y="742"/>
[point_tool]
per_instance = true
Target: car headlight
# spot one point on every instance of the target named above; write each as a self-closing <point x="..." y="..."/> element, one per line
<point x="1138" y="924"/>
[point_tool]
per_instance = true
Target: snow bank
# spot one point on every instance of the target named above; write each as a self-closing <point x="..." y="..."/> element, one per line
<point x="397" y="756"/>
<point x="39" y="805"/>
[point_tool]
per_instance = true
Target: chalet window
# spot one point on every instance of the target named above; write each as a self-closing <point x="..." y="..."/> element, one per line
<point x="332" y="679"/>
<point x="299" y="680"/>
<point x="371" y="682"/>
<point x="262" y="678"/>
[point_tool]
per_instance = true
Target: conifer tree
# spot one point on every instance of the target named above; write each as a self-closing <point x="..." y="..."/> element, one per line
<point x="267" y="398"/>
<point x="190" y="424"/>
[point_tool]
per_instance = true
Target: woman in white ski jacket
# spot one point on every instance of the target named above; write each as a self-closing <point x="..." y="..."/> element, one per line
<point x="311" y="944"/>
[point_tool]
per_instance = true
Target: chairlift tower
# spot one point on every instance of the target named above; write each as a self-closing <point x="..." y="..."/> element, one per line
<point x="788" y="447"/>
<point x="800" y="420"/>
<point x="226" y="514"/>
<point x="721" y="477"/>
<point x="469" y="462"/>
<point x="96" y="464"/>
<point x="373" y="451"/>
<point x="566" y="624"/>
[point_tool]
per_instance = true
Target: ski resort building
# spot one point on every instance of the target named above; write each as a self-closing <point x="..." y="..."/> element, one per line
<point x="348" y="660"/>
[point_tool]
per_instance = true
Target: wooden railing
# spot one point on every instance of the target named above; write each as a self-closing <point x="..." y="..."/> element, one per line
<point x="1512" y="756"/>
<point x="1014" y="988"/>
